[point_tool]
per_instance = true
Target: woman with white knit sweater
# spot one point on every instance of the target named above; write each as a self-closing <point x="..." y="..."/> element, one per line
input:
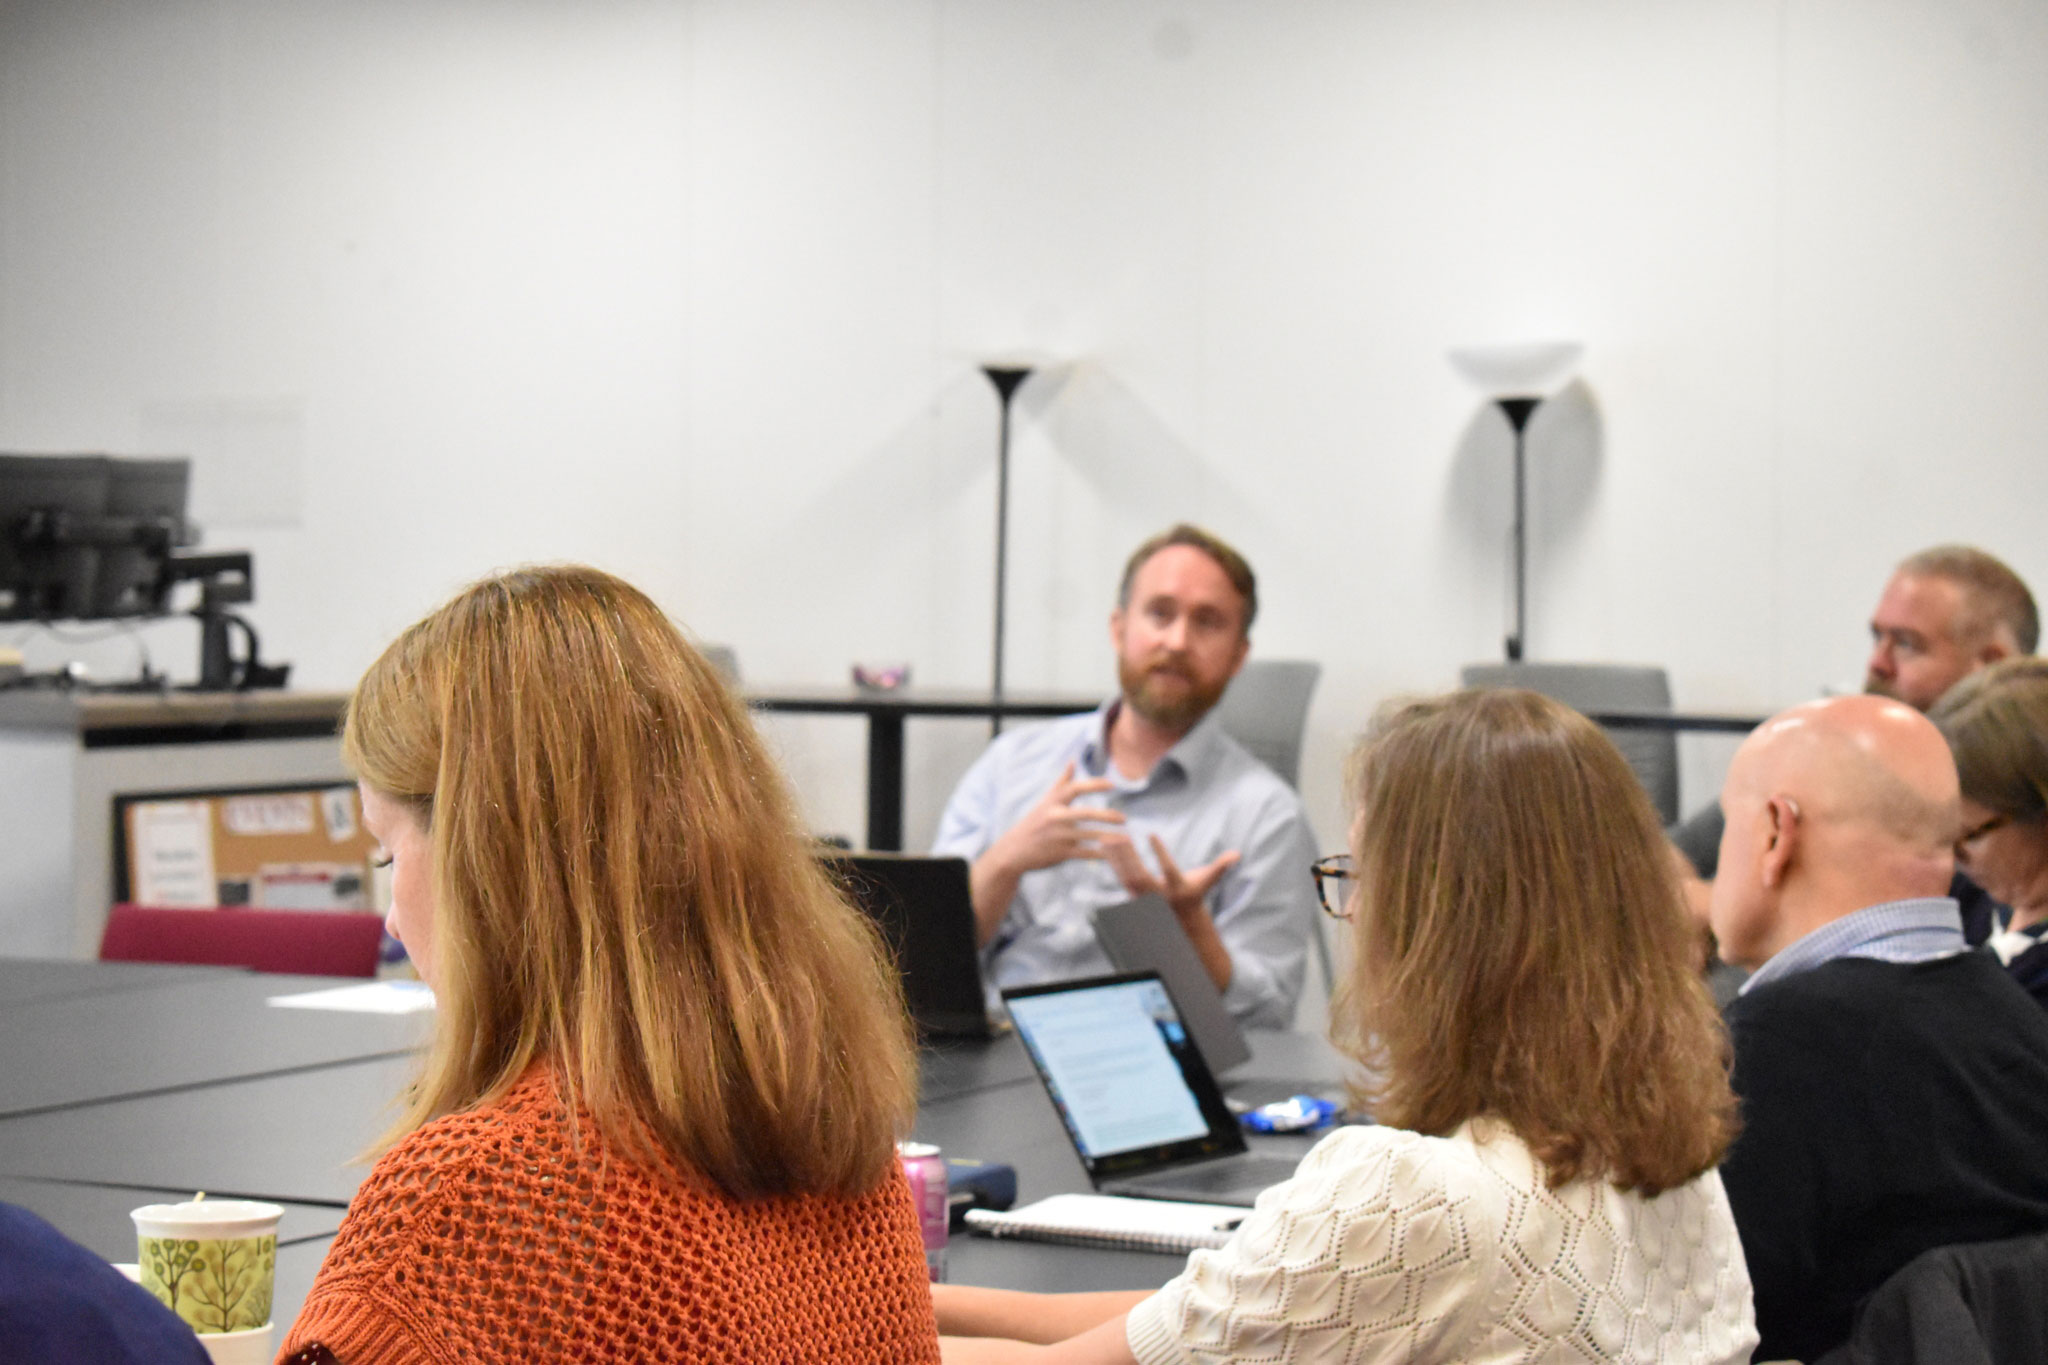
<point x="1552" y="1093"/>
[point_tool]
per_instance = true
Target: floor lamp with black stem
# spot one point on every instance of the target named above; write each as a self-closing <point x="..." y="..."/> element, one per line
<point x="1517" y="411"/>
<point x="1007" y="379"/>
<point x="1518" y="377"/>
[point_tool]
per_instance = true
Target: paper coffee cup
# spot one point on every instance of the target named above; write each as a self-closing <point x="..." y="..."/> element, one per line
<point x="253" y="1347"/>
<point x="213" y="1262"/>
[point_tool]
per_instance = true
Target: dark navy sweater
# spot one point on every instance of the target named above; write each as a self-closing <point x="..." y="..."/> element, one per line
<point x="1887" y="1109"/>
<point x="62" y="1305"/>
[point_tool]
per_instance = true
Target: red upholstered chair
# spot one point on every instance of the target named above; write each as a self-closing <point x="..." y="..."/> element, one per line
<point x="297" y="942"/>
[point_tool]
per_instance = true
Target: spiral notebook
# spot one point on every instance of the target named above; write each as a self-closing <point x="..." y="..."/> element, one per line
<point x="1107" y="1220"/>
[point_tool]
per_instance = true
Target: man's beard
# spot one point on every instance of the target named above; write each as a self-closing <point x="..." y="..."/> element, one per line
<point x="1878" y="687"/>
<point x="1167" y="706"/>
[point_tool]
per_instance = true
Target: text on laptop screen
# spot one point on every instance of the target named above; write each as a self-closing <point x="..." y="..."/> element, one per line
<point x="1105" y="1052"/>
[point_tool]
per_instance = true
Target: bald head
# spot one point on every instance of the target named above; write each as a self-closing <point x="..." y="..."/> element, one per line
<point x="1864" y="762"/>
<point x="1832" y="806"/>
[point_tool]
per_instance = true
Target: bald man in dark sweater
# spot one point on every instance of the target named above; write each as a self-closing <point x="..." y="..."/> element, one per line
<point x="1894" y="1085"/>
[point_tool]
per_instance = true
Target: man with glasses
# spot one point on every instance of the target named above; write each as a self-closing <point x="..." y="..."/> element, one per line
<point x="1145" y="795"/>
<point x="1944" y="614"/>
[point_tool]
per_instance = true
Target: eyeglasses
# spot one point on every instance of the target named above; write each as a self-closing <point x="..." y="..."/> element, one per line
<point x="1335" y="868"/>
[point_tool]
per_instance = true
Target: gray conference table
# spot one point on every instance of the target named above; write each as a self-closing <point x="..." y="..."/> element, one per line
<point x="122" y="1084"/>
<point x="134" y="1088"/>
<point x="187" y="1027"/>
<point x="26" y="980"/>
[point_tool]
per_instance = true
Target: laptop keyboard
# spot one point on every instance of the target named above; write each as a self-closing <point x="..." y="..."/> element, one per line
<point x="1252" y="1173"/>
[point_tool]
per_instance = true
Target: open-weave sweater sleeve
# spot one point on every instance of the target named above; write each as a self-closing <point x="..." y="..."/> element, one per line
<point x="492" y="1236"/>
<point x="1387" y="1245"/>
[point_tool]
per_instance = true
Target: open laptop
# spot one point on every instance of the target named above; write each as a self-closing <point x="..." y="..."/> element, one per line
<point x="1138" y="1102"/>
<point x="926" y="913"/>
<point x="1143" y="935"/>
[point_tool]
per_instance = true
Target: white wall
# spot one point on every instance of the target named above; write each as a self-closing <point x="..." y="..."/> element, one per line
<point x="694" y="290"/>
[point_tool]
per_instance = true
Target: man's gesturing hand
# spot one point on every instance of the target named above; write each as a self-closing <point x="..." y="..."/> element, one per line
<point x="1056" y="829"/>
<point x="1186" y="892"/>
<point x="1052" y="831"/>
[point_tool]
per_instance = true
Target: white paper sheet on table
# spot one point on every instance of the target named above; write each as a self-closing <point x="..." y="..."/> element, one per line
<point x="370" y="997"/>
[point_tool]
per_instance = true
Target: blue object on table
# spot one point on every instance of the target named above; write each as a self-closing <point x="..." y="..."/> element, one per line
<point x="978" y="1185"/>
<point x="1300" y="1114"/>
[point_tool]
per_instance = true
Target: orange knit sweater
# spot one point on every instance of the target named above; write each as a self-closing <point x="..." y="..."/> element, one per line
<point x="486" y="1236"/>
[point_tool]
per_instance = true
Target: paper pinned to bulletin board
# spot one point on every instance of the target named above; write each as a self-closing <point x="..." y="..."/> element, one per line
<point x="171" y="843"/>
<point x="300" y="848"/>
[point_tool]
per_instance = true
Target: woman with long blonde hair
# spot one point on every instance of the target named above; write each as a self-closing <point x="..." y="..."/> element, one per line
<point x="1551" y="1096"/>
<point x="669" y="1063"/>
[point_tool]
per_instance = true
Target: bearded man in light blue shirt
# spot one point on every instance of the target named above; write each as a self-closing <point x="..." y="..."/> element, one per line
<point x="1146" y="795"/>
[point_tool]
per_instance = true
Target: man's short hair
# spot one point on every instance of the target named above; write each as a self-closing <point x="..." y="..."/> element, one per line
<point x="1234" y="566"/>
<point x="1993" y="595"/>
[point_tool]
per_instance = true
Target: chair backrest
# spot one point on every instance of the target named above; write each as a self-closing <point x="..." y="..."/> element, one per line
<point x="1605" y="687"/>
<point x="1973" y="1304"/>
<point x="726" y="660"/>
<point x="1266" y="710"/>
<point x="295" y="942"/>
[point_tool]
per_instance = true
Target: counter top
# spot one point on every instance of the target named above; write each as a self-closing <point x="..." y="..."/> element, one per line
<point x="145" y="717"/>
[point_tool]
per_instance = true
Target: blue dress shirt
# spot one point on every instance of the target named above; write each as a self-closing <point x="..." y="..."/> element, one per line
<point x="1207" y="796"/>
<point x="1916" y="930"/>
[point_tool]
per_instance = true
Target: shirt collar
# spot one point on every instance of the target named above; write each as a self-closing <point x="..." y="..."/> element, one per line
<point x="1916" y="930"/>
<point x="2010" y="943"/>
<point x="1192" y="757"/>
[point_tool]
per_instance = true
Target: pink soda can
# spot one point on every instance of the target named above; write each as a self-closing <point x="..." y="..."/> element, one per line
<point x="927" y="1172"/>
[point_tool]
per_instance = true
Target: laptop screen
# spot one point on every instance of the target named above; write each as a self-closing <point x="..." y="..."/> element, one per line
<point x="1127" y="1080"/>
<point x="925" y="910"/>
<point x="1144" y="935"/>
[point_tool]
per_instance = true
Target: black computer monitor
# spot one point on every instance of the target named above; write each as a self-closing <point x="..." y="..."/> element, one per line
<point x="146" y="518"/>
<point x="46" y="568"/>
<point x="99" y="538"/>
<point x="86" y="537"/>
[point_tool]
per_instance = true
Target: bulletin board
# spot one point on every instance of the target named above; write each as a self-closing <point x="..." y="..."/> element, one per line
<point x="265" y="848"/>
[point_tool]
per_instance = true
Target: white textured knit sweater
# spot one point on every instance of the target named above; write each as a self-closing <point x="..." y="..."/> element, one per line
<point x="1387" y="1245"/>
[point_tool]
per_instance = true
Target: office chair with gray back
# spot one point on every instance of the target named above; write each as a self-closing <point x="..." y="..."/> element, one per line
<point x="1976" y="1304"/>
<point x="726" y="660"/>
<point x="1266" y="710"/>
<point x="1606" y="687"/>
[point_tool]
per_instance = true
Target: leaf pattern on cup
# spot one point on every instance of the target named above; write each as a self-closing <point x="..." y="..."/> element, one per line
<point x="217" y="1285"/>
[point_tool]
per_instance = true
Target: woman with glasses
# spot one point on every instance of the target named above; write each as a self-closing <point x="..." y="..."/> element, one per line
<point x="658" y="1118"/>
<point x="1551" y="1091"/>
<point x="1996" y="723"/>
